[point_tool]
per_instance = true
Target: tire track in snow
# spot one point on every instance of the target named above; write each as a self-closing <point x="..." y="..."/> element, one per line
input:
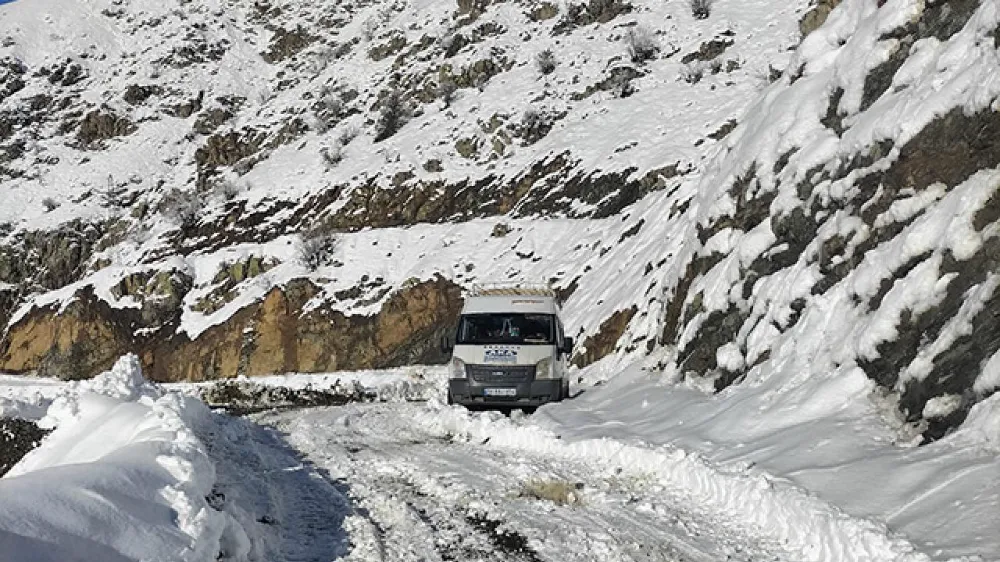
<point x="288" y="509"/>
<point x="394" y="520"/>
<point x="419" y="496"/>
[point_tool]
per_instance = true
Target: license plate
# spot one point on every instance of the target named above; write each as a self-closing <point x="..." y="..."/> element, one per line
<point x="500" y="391"/>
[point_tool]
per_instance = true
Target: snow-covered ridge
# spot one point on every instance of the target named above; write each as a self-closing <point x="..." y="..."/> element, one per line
<point x="329" y="83"/>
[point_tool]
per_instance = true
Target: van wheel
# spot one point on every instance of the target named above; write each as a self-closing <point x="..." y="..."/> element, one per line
<point x="565" y="389"/>
<point x="450" y="399"/>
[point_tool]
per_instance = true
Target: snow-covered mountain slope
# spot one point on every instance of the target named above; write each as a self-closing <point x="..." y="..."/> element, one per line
<point x="163" y="177"/>
<point x="849" y="227"/>
<point x="742" y="204"/>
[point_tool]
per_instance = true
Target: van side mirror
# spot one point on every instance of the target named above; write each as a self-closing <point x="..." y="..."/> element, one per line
<point x="446" y="345"/>
<point x="567" y="345"/>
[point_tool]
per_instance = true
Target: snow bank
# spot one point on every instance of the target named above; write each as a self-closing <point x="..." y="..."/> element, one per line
<point x="247" y="394"/>
<point x="982" y="427"/>
<point x="25" y="397"/>
<point x="819" y="443"/>
<point x="121" y="477"/>
<point x="750" y="499"/>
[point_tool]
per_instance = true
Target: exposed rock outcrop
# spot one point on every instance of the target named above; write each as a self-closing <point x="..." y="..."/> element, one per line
<point x="838" y="217"/>
<point x="816" y="16"/>
<point x="17" y="438"/>
<point x="278" y="334"/>
<point x="99" y="126"/>
<point x="603" y="343"/>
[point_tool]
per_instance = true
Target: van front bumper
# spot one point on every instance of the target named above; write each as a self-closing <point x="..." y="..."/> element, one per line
<point x="529" y="393"/>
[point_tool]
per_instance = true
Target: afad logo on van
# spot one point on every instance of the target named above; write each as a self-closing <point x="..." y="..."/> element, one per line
<point x="500" y="355"/>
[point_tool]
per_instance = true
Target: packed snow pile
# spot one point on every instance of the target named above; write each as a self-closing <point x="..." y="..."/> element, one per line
<point x="782" y="513"/>
<point x="843" y="445"/>
<point x="122" y="476"/>
<point x="244" y="395"/>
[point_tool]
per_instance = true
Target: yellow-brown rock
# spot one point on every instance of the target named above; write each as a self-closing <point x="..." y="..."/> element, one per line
<point x="604" y="341"/>
<point x="816" y="16"/>
<point x="272" y="336"/>
<point x="86" y="338"/>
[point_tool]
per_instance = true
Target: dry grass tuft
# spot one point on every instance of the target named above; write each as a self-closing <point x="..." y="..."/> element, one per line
<point x="559" y="492"/>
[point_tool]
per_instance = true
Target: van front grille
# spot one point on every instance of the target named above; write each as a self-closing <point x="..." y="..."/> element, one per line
<point x="501" y="373"/>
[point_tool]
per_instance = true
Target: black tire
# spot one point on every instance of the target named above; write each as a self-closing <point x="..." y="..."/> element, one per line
<point x="565" y="389"/>
<point x="450" y="399"/>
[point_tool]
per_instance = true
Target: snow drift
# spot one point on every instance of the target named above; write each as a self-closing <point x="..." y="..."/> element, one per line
<point x="121" y="477"/>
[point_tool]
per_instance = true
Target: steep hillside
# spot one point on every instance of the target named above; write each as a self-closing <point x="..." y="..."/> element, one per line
<point x="235" y="188"/>
<point x="848" y="229"/>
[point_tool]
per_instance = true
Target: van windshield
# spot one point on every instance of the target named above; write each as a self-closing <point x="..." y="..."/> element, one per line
<point x="506" y="328"/>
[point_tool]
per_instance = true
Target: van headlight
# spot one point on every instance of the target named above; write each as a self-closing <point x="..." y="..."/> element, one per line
<point x="457" y="370"/>
<point x="543" y="369"/>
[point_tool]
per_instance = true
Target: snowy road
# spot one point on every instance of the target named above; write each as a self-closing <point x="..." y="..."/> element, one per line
<point x="598" y="478"/>
<point x="421" y="494"/>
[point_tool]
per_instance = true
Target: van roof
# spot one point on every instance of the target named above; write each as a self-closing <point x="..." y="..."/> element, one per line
<point x="511" y="289"/>
<point x="499" y="303"/>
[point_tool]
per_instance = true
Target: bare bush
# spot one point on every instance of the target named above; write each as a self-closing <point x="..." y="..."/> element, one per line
<point x="347" y="135"/>
<point x="263" y="96"/>
<point x="370" y="28"/>
<point x="480" y="81"/>
<point x="393" y="115"/>
<point x="328" y="109"/>
<point x="534" y="126"/>
<point x="546" y="61"/>
<point x="227" y="190"/>
<point x="49" y="204"/>
<point x="641" y="44"/>
<point x="692" y="73"/>
<point x="182" y="207"/>
<point x="620" y="85"/>
<point x="451" y="43"/>
<point x="321" y="59"/>
<point x="763" y="78"/>
<point x="701" y="9"/>
<point x="117" y="195"/>
<point x="316" y="250"/>
<point x="446" y="91"/>
<point x="332" y="155"/>
<point x="342" y="50"/>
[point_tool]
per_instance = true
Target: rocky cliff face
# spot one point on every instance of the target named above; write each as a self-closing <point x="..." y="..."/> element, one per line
<point x="780" y="189"/>
<point x="277" y="334"/>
